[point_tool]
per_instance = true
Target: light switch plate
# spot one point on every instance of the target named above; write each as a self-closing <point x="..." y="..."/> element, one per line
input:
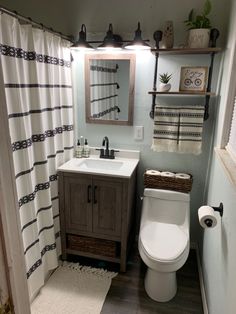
<point x="138" y="133"/>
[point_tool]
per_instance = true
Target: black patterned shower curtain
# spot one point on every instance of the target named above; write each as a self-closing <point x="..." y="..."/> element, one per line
<point x="36" y="68"/>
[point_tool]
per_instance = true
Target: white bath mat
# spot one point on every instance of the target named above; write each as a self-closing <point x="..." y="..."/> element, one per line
<point x="73" y="289"/>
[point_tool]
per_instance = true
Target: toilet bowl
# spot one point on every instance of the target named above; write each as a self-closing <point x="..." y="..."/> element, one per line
<point x="163" y="240"/>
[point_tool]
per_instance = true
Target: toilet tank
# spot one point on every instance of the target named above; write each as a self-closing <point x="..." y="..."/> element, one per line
<point x="165" y="206"/>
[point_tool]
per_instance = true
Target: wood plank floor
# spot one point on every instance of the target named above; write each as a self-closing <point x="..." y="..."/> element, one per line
<point x="127" y="294"/>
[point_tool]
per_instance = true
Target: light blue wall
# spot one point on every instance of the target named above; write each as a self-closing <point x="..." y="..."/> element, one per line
<point x="218" y="249"/>
<point x="123" y="136"/>
<point x="218" y="246"/>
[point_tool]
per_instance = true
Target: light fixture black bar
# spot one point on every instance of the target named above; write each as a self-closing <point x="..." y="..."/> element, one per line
<point x="101" y="41"/>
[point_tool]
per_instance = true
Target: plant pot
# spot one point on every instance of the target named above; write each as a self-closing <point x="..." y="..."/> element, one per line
<point x="198" y="38"/>
<point x="164" y="87"/>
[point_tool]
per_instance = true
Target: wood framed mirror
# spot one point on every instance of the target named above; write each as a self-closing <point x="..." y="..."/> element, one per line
<point x="109" y="88"/>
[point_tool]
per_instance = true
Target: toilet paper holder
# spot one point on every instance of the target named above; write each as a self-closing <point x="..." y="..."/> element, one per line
<point x="219" y="209"/>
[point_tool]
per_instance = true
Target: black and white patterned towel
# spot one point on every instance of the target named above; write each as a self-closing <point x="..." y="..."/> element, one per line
<point x="178" y="129"/>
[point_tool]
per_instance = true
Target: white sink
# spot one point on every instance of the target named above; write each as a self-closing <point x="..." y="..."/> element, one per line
<point x="123" y="165"/>
<point x="101" y="164"/>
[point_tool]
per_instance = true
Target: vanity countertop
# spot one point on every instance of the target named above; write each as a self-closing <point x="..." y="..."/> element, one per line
<point x="123" y="165"/>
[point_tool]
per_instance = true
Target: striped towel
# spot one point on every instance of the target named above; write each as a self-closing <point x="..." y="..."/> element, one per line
<point x="178" y="129"/>
<point x="190" y="129"/>
<point x="166" y="125"/>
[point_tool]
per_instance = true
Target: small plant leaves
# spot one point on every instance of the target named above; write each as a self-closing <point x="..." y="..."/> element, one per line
<point x="190" y="16"/>
<point x="199" y="21"/>
<point x="207" y="8"/>
<point x="165" y="77"/>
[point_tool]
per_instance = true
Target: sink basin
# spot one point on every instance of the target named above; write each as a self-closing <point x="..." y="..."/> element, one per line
<point x="122" y="166"/>
<point x="101" y="164"/>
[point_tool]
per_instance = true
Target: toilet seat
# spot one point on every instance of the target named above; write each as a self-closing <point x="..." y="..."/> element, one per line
<point x="163" y="242"/>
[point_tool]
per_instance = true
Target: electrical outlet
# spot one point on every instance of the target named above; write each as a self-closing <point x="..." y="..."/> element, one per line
<point x="138" y="133"/>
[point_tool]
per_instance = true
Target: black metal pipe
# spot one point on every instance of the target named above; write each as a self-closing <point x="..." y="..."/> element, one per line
<point x="157" y="37"/>
<point x="207" y="99"/>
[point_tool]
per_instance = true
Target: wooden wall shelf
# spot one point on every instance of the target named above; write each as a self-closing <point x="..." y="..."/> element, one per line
<point x="182" y="51"/>
<point x="211" y="51"/>
<point x="190" y="93"/>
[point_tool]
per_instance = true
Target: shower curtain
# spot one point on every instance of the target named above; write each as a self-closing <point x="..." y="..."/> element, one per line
<point x="36" y="68"/>
<point x="103" y="89"/>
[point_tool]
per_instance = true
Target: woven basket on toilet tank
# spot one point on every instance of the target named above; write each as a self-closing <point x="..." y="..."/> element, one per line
<point x="155" y="179"/>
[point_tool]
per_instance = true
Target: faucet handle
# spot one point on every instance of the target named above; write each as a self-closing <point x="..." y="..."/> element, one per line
<point x="112" y="153"/>
<point x="101" y="152"/>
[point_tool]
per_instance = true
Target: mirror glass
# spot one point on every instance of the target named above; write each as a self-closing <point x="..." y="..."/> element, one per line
<point x="109" y="88"/>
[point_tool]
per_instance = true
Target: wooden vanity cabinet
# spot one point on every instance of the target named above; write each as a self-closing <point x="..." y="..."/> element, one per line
<point x="97" y="215"/>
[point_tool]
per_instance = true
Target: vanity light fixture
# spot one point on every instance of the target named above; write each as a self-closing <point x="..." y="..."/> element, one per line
<point x="138" y="43"/>
<point x="111" y="41"/>
<point x="82" y="44"/>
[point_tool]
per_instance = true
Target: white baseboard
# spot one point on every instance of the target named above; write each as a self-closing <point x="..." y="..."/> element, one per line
<point x="194" y="246"/>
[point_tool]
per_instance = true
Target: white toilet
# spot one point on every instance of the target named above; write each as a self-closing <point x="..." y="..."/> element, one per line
<point x="163" y="240"/>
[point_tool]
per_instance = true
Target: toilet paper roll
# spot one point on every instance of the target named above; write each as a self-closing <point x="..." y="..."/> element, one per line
<point x="167" y="174"/>
<point x="206" y="217"/>
<point x="153" y="172"/>
<point x="182" y="176"/>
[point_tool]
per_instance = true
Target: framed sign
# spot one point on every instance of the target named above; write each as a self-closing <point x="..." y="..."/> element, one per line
<point x="193" y="79"/>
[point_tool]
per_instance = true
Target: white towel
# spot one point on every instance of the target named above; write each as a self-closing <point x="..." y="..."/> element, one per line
<point x="190" y="130"/>
<point x="165" y="133"/>
<point x="178" y="129"/>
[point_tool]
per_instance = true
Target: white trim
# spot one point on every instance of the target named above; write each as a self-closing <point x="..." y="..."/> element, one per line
<point x="194" y="246"/>
<point x="231" y="93"/>
<point x="231" y="151"/>
<point x="228" y="164"/>
<point x="10" y="216"/>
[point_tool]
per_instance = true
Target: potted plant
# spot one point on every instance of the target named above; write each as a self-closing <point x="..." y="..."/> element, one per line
<point x="199" y="27"/>
<point x="164" y="79"/>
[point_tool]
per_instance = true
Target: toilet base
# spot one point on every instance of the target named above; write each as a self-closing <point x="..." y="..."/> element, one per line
<point x="160" y="286"/>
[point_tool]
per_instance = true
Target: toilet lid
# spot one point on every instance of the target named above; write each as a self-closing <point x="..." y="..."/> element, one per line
<point x="162" y="241"/>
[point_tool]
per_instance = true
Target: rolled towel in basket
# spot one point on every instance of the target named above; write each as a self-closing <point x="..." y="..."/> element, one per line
<point x="153" y="172"/>
<point x="167" y="174"/>
<point x="182" y="176"/>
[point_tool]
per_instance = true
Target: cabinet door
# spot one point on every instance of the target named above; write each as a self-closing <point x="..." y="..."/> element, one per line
<point x="78" y="203"/>
<point x="107" y="206"/>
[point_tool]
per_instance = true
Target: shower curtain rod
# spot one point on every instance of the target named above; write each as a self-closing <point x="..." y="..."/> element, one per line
<point x="33" y="23"/>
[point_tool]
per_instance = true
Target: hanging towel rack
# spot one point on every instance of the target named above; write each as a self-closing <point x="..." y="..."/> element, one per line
<point x="211" y="51"/>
